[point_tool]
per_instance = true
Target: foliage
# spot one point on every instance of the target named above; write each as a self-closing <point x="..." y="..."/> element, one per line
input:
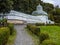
<point x="53" y="31"/>
<point x="26" y="6"/>
<point x="11" y="27"/>
<point x="51" y="17"/>
<point x="47" y="7"/>
<point x="11" y="38"/>
<point x="5" y="7"/>
<point x="43" y="36"/>
<point x="0" y="22"/>
<point x="56" y="11"/>
<point x="55" y="15"/>
<point x="42" y="24"/>
<point x="39" y="24"/>
<point x="34" y="29"/>
<point x="28" y="26"/>
<point x="4" y="35"/>
<point x="48" y="42"/>
<point x="3" y="22"/>
<point x="46" y="33"/>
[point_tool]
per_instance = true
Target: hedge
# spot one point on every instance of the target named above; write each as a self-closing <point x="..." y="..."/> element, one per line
<point x="43" y="36"/>
<point x="42" y="24"/>
<point x="4" y="35"/>
<point x="3" y="22"/>
<point x="39" y="24"/>
<point x="11" y="27"/>
<point x="34" y="29"/>
<point x="48" y="42"/>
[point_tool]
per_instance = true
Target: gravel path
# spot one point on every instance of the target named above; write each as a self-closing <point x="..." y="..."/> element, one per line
<point x="23" y="38"/>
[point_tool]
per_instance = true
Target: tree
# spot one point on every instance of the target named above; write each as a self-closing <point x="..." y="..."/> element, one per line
<point x="57" y="15"/>
<point x="5" y="6"/>
<point x="48" y="7"/>
<point x="57" y="6"/>
<point x="26" y="6"/>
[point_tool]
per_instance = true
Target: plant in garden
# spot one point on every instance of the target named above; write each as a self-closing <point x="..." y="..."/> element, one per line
<point x="48" y="42"/>
<point x="43" y="36"/>
<point x="4" y="35"/>
<point x="34" y="29"/>
<point x="11" y="27"/>
<point x="5" y="7"/>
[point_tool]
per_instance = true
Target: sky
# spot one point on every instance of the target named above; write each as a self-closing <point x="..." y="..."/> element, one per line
<point x="54" y="2"/>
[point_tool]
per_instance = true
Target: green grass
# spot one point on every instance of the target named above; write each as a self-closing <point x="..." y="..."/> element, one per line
<point x="11" y="38"/>
<point x="53" y="31"/>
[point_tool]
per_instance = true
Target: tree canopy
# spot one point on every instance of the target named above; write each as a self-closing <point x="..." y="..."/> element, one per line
<point x="5" y="6"/>
<point x="28" y="6"/>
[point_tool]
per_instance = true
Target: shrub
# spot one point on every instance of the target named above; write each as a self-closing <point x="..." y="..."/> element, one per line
<point x="43" y="36"/>
<point x="11" y="27"/>
<point x="4" y="34"/>
<point x="57" y="24"/>
<point x="50" y="24"/>
<point x="37" y="31"/>
<point x="48" y="42"/>
<point x="34" y="29"/>
<point x="0" y="23"/>
<point x="39" y="24"/>
<point x="3" y="22"/>
<point x="28" y="26"/>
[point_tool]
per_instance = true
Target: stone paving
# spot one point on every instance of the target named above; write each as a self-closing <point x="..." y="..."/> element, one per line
<point x="23" y="38"/>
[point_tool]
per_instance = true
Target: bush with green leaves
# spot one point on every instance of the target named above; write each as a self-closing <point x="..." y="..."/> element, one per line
<point x="0" y="22"/>
<point x="57" y="24"/>
<point x="39" y="24"/>
<point x="48" y="42"/>
<point x="11" y="27"/>
<point x="3" y="22"/>
<point x="50" y="25"/>
<point x="34" y="29"/>
<point x="28" y="26"/>
<point x="4" y="35"/>
<point x="43" y="36"/>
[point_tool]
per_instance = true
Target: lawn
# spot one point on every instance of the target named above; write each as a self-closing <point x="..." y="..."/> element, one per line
<point x="53" y="31"/>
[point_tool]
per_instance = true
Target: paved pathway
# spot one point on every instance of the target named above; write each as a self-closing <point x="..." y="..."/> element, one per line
<point x="23" y="38"/>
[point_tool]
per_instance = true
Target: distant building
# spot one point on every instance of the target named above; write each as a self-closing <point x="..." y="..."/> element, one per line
<point x="41" y="16"/>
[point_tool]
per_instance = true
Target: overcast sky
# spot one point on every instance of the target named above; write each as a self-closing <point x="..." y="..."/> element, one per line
<point x="55" y="2"/>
